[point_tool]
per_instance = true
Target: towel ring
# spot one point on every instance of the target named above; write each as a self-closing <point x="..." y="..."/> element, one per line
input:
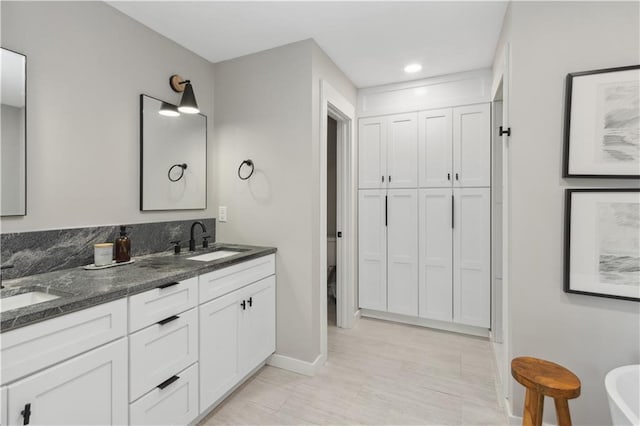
<point x="182" y="166"/>
<point x="248" y="163"/>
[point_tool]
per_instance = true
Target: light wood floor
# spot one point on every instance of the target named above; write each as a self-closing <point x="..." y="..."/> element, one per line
<point x="377" y="373"/>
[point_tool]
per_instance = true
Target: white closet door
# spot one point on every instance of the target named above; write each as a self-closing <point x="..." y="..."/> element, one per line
<point x="402" y="151"/>
<point x="372" y="249"/>
<point x="435" y="148"/>
<point x="472" y="146"/>
<point x="372" y="155"/>
<point x="402" y="246"/>
<point x="436" y="251"/>
<point x="471" y="260"/>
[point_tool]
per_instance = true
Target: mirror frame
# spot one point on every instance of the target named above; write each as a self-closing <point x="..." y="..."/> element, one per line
<point x="206" y="156"/>
<point x="25" y="134"/>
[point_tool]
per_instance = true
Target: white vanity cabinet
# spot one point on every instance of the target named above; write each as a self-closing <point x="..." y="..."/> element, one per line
<point x="237" y="329"/>
<point x="163" y="354"/>
<point x="89" y="389"/>
<point x="65" y="371"/>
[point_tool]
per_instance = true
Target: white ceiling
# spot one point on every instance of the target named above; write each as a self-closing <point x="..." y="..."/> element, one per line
<point x="371" y="42"/>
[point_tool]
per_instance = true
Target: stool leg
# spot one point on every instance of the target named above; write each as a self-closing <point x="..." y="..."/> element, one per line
<point x="533" y="406"/>
<point x="562" y="411"/>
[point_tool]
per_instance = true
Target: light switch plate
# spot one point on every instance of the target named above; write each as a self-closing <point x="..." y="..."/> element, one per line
<point x="222" y="214"/>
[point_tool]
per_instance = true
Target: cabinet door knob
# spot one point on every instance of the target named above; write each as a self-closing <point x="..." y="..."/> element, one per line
<point x="250" y="301"/>
<point x="26" y="413"/>
<point x="382" y="179"/>
<point x="244" y="305"/>
<point x="456" y="176"/>
<point x="448" y="176"/>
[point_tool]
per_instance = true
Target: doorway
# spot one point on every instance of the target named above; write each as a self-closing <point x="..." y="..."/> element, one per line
<point x="332" y="295"/>
<point x="335" y="107"/>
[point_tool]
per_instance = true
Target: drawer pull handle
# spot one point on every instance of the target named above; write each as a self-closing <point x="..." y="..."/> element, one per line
<point x="26" y="414"/>
<point x="167" y="382"/>
<point x="168" y="285"/>
<point x="168" y="320"/>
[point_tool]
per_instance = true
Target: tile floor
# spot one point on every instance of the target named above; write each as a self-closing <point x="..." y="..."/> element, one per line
<point x="377" y="373"/>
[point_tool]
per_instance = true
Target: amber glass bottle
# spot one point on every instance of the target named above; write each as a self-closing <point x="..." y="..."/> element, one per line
<point x="123" y="246"/>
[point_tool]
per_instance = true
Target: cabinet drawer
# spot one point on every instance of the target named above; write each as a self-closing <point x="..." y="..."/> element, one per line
<point x="176" y="404"/>
<point x="161" y="350"/>
<point x="159" y="303"/>
<point x="226" y="280"/>
<point x="40" y="345"/>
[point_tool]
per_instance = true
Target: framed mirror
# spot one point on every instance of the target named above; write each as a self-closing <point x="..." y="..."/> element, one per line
<point x="173" y="158"/>
<point x="13" y="141"/>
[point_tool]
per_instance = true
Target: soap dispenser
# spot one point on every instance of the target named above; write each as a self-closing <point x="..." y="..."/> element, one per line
<point x="123" y="246"/>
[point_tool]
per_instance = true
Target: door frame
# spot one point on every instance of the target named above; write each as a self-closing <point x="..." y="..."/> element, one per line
<point x="333" y="104"/>
<point x="502" y="79"/>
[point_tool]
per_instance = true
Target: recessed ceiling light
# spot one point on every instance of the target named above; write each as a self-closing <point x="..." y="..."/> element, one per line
<point x="411" y="68"/>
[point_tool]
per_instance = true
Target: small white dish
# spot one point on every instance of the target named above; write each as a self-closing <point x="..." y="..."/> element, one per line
<point x="93" y="266"/>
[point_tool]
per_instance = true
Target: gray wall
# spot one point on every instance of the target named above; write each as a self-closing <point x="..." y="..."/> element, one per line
<point x="589" y="335"/>
<point x="87" y="64"/>
<point x="267" y="109"/>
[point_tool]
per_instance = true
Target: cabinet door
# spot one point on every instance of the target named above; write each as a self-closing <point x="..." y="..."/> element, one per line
<point x="435" y="158"/>
<point x="257" y="336"/>
<point x="90" y="389"/>
<point x="372" y="249"/>
<point x="218" y="348"/>
<point x="471" y="248"/>
<point x="436" y="251"/>
<point x="402" y="247"/>
<point x="402" y="151"/>
<point x="372" y="155"/>
<point x="472" y="146"/>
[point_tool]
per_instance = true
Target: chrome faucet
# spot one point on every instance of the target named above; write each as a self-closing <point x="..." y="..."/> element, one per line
<point x="192" y="240"/>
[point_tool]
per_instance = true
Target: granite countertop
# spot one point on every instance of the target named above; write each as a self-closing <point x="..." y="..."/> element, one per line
<point x="79" y="288"/>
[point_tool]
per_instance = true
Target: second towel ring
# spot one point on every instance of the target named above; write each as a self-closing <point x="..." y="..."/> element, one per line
<point x="248" y="163"/>
<point x="182" y="166"/>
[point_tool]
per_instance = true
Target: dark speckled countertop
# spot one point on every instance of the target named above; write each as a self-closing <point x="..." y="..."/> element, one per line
<point x="79" y="288"/>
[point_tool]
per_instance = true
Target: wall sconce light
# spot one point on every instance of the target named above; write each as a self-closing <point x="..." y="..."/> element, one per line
<point x="168" y="110"/>
<point x="188" y="104"/>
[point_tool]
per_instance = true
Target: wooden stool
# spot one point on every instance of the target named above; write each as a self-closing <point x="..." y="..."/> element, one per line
<point x="544" y="378"/>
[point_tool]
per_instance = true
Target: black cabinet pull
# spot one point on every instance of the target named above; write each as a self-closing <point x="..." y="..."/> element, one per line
<point x="167" y="285"/>
<point x="448" y="176"/>
<point x="244" y="305"/>
<point x="452" y="212"/>
<point x="250" y="301"/>
<point x="167" y="382"/>
<point x="389" y="178"/>
<point x="382" y="179"/>
<point x="456" y="176"/>
<point x="26" y="413"/>
<point x="386" y="211"/>
<point x="168" y="320"/>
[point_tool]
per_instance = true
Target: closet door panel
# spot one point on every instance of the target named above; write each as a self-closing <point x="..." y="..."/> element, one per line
<point x="435" y="158"/>
<point x="372" y="156"/>
<point x="372" y="250"/>
<point x="402" y="246"/>
<point x="402" y="151"/>
<point x="472" y="146"/>
<point x="472" y="247"/>
<point x="436" y="251"/>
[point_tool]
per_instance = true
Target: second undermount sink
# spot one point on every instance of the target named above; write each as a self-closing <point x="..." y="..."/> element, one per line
<point x="25" y="299"/>
<point x="214" y="255"/>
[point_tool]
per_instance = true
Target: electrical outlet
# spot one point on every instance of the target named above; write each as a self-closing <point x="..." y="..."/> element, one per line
<point x="222" y="214"/>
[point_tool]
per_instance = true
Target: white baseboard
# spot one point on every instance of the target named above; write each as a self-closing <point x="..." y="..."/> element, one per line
<point x="357" y="314"/>
<point x="297" y="365"/>
<point x="440" y="325"/>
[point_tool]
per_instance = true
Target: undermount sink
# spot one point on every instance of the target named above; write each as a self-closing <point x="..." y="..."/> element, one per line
<point x="25" y="299"/>
<point x="214" y="255"/>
